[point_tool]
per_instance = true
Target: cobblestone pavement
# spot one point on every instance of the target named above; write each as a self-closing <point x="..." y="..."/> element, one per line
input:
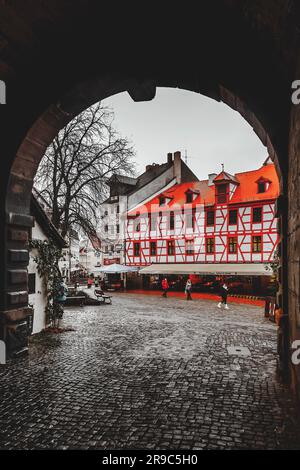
<point x="149" y="373"/>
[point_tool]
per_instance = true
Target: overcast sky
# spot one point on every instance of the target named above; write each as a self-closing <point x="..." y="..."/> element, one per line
<point x="210" y="132"/>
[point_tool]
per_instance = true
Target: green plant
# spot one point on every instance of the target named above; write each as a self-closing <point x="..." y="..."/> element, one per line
<point x="47" y="258"/>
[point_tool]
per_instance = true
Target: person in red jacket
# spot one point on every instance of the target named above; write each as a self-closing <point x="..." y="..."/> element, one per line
<point x="165" y="287"/>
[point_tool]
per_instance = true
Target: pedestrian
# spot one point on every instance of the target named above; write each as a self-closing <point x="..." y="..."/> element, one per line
<point x="165" y="287"/>
<point x="90" y="282"/>
<point x="62" y="292"/>
<point x="223" y="294"/>
<point x="188" y="289"/>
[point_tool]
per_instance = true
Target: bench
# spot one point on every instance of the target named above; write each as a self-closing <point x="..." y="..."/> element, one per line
<point x="75" y="300"/>
<point x="101" y="296"/>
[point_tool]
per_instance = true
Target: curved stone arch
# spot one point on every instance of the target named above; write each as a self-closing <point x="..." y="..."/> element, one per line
<point x="216" y="69"/>
<point x="80" y="98"/>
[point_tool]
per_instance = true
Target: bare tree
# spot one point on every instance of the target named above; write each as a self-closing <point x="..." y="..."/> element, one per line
<point x="72" y="174"/>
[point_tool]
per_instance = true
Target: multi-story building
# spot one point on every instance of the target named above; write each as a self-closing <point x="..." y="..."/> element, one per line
<point x="89" y="255"/>
<point x="226" y="219"/>
<point x="126" y="192"/>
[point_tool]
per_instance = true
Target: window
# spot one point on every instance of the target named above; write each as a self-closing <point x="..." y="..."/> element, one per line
<point x="172" y="221"/>
<point x="162" y="200"/>
<point x="118" y="209"/>
<point x="256" y="244"/>
<point x="233" y="217"/>
<point x="105" y="228"/>
<point x="137" y="226"/>
<point x="221" y="193"/>
<point x="210" y="218"/>
<point x="136" y="249"/>
<point x="189" y="197"/>
<point x="105" y="213"/>
<point x="152" y="222"/>
<point x="171" y="247"/>
<point x="232" y="244"/>
<point x="210" y="245"/>
<point x="153" y="248"/>
<point x="261" y="187"/>
<point x="118" y="228"/>
<point x="189" y="247"/>
<point x="190" y="219"/>
<point x="106" y="248"/>
<point x="256" y="214"/>
<point x="31" y="283"/>
<point x="112" y="248"/>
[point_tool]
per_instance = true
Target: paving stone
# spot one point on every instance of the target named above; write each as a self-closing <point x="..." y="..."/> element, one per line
<point x="150" y="373"/>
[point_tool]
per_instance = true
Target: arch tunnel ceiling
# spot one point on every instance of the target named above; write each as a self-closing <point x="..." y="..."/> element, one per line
<point x="73" y="53"/>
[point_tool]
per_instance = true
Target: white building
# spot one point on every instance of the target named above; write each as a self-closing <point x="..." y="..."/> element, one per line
<point x="43" y="229"/>
<point x="89" y="255"/>
<point x="71" y="256"/>
<point x="126" y="193"/>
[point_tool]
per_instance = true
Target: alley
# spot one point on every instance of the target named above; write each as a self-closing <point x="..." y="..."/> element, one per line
<point x="150" y="373"/>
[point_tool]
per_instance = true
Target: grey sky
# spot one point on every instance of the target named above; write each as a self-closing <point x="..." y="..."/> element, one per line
<point x="210" y="132"/>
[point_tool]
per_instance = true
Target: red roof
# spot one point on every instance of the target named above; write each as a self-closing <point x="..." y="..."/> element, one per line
<point x="246" y="191"/>
<point x="223" y="176"/>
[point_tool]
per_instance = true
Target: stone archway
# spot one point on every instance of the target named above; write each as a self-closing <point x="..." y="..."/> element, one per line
<point x="32" y="150"/>
<point x="235" y="52"/>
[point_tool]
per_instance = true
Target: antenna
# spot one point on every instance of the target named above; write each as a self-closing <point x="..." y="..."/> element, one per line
<point x="222" y="166"/>
<point x="185" y="156"/>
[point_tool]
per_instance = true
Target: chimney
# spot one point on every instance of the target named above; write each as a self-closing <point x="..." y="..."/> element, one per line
<point x="170" y="158"/>
<point x="211" y="178"/>
<point x="148" y="167"/>
<point x="177" y="166"/>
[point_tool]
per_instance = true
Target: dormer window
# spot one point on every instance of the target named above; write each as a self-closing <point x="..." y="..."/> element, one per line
<point x="189" y="197"/>
<point x="261" y="187"/>
<point x="162" y="200"/>
<point x="221" y="193"/>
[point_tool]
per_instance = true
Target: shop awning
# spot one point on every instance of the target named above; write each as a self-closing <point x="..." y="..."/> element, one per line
<point x="114" y="268"/>
<point x="233" y="269"/>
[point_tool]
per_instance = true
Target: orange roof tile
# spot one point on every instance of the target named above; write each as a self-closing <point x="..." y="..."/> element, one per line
<point x="246" y="191"/>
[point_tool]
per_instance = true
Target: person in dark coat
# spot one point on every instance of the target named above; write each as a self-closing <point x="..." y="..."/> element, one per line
<point x="224" y="295"/>
<point x="188" y="289"/>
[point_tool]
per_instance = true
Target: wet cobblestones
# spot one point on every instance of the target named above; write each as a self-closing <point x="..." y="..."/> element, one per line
<point x="149" y="373"/>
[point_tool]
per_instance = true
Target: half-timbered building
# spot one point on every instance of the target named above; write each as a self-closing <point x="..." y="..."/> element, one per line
<point x="226" y="219"/>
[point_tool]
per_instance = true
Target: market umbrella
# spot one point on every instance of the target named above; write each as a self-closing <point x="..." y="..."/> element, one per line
<point x="115" y="268"/>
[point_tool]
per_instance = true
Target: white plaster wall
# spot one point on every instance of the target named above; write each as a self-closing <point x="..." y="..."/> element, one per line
<point x="37" y="300"/>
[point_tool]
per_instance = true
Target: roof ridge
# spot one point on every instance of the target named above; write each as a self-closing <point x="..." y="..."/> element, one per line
<point x="252" y="171"/>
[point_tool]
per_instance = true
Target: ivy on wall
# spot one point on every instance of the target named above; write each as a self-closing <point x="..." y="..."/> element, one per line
<point x="46" y="259"/>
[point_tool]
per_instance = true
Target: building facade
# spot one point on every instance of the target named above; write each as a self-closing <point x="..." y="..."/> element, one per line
<point x="126" y="193"/>
<point x="42" y="230"/>
<point x="224" y="219"/>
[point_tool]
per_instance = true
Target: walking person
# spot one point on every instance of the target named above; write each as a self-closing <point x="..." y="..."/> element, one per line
<point x="165" y="287"/>
<point x="188" y="289"/>
<point x="224" y="295"/>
